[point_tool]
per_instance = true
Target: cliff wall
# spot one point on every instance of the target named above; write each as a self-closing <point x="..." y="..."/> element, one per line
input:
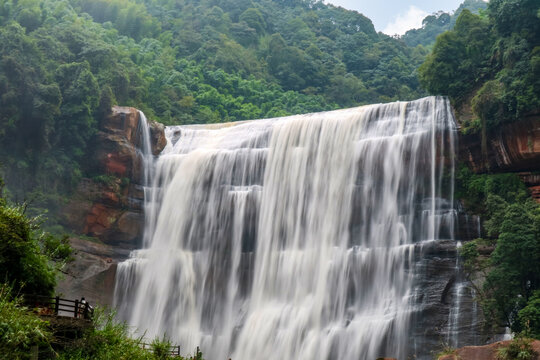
<point x="107" y="209"/>
<point x="514" y="147"/>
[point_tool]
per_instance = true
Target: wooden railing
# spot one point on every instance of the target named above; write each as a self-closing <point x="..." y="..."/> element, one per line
<point x="81" y="309"/>
<point x="174" y="350"/>
<point x="45" y="305"/>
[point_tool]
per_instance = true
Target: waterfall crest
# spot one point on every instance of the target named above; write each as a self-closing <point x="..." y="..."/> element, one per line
<point x="292" y="237"/>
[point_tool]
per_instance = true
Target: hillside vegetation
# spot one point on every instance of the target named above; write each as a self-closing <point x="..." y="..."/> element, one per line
<point x="490" y="62"/>
<point x="493" y="58"/>
<point x="64" y="63"/>
<point x="439" y="22"/>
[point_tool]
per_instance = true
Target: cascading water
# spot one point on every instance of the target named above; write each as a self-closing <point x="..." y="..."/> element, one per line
<point x="292" y="237"/>
<point x="145" y="147"/>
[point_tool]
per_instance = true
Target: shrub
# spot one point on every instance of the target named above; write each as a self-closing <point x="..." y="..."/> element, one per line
<point x="19" y="328"/>
<point x="108" y="340"/>
<point x="22" y="262"/>
<point x="518" y="349"/>
<point x="529" y="316"/>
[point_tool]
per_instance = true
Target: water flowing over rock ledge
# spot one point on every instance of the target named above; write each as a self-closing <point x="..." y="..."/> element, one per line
<point x="326" y="235"/>
<point x="109" y="208"/>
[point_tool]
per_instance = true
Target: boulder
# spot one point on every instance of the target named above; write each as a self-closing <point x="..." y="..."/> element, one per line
<point x="128" y="229"/>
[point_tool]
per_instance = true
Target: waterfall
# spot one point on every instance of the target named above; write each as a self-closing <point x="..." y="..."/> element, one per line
<point x="452" y="333"/>
<point x="145" y="148"/>
<point x="292" y="237"/>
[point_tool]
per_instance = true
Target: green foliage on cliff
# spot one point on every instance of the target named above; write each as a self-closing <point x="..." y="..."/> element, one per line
<point x="529" y="316"/>
<point x="493" y="59"/>
<point x="515" y="273"/>
<point x="29" y="258"/>
<point x="509" y="294"/>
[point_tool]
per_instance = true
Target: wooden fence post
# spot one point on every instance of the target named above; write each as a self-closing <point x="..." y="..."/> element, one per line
<point x="56" y="305"/>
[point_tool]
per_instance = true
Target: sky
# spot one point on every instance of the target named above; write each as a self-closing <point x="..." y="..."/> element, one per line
<point x="397" y="16"/>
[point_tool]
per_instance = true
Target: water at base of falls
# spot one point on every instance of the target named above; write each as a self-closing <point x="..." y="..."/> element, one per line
<point x="292" y="237"/>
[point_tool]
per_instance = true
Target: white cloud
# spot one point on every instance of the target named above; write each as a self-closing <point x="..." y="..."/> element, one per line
<point x="412" y="19"/>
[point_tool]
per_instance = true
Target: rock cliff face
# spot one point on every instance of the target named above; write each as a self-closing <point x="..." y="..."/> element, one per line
<point x="514" y="148"/>
<point x="107" y="209"/>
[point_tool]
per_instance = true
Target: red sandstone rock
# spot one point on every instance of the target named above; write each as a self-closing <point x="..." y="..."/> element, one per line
<point x="111" y="209"/>
<point x="111" y="198"/>
<point x="486" y="352"/>
<point x="99" y="219"/>
<point x="108" y="208"/>
<point x="515" y="147"/>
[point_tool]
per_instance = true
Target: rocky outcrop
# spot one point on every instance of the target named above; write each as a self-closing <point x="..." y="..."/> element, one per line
<point x="440" y="289"/>
<point x="92" y="273"/>
<point x="514" y="148"/>
<point x="107" y="208"/>
<point x="486" y="352"/>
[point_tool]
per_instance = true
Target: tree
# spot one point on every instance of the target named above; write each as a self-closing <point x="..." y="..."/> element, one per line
<point x="80" y="92"/>
<point x="459" y="58"/>
<point x="516" y="266"/>
<point x="254" y="19"/>
<point x="22" y="262"/>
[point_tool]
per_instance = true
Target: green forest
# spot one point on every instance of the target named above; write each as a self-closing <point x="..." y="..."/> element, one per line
<point x="64" y="63"/>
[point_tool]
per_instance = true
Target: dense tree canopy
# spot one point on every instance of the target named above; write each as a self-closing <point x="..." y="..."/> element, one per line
<point x="437" y="23"/>
<point x="63" y="63"/>
<point x="492" y="59"/>
<point x="28" y="255"/>
<point x="510" y="293"/>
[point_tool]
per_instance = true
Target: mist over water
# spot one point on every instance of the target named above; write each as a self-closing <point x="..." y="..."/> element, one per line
<point x="292" y="237"/>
